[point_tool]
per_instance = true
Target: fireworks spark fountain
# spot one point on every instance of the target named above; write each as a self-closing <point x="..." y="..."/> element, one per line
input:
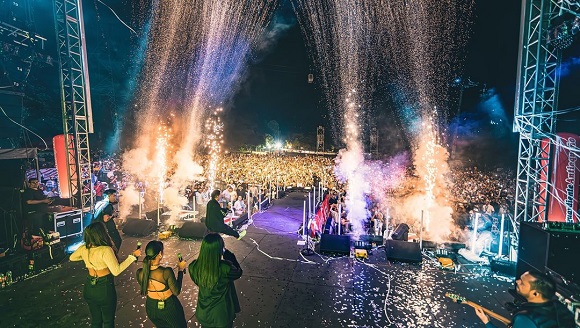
<point x="420" y="42"/>
<point x="423" y="45"/>
<point x="163" y="136"/>
<point x="341" y="36"/>
<point x="194" y="60"/>
<point x="214" y="139"/>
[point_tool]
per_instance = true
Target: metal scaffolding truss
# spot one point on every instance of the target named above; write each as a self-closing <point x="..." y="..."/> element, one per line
<point x="320" y="139"/>
<point x="22" y="37"/>
<point x="75" y="96"/>
<point x="374" y="142"/>
<point x="535" y="106"/>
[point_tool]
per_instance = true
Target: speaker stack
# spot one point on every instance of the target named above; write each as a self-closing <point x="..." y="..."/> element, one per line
<point x="548" y="250"/>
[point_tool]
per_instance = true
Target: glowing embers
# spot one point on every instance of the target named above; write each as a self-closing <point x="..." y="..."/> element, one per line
<point x="161" y="147"/>
<point x="214" y="139"/>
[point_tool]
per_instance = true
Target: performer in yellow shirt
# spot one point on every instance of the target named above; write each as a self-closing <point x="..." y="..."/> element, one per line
<point x="102" y="264"/>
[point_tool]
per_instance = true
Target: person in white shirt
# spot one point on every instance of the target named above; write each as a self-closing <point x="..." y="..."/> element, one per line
<point x="239" y="206"/>
<point x="102" y="264"/>
<point x="226" y="197"/>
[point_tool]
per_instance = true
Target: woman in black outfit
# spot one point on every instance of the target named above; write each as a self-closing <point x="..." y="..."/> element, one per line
<point x="217" y="300"/>
<point x="159" y="284"/>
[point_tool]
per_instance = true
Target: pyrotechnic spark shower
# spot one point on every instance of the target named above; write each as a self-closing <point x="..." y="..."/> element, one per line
<point x="214" y="139"/>
<point x="194" y="58"/>
<point x="417" y="42"/>
<point x="341" y="35"/>
<point x="163" y="136"/>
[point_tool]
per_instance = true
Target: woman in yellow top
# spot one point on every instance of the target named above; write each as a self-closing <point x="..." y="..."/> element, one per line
<point x="101" y="261"/>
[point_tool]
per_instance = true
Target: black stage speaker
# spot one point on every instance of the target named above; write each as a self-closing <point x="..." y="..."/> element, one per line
<point x="541" y="249"/>
<point x="532" y="248"/>
<point x="503" y="266"/>
<point x="192" y="230"/>
<point x="139" y="228"/>
<point x="239" y="221"/>
<point x="338" y="244"/>
<point x="10" y="215"/>
<point x="403" y="251"/>
<point x="401" y="232"/>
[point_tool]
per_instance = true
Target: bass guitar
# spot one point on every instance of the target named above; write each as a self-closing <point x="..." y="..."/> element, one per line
<point x="462" y="300"/>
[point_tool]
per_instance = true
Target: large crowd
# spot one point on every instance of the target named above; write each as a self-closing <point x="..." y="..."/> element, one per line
<point x="469" y="187"/>
<point x="472" y="187"/>
<point x="287" y="170"/>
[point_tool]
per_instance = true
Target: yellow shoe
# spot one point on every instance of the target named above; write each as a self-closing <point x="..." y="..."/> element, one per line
<point x="242" y="234"/>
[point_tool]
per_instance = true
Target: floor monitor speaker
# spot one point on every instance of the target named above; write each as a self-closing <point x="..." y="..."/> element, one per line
<point x="192" y="230"/>
<point x="403" y="251"/>
<point x="337" y="244"/>
<point x="139" y="227"/>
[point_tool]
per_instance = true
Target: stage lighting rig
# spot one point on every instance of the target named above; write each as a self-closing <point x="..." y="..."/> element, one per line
<point x="561" y="36"/>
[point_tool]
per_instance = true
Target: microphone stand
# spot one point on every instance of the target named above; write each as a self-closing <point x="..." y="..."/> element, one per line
<point x="307" y="251"/>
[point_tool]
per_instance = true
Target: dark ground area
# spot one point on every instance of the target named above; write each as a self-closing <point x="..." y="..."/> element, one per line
<point x="279" y="287"/>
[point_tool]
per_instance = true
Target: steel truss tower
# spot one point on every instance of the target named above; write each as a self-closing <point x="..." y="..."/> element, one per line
<point x="75" y="97"/>
<point x="374" y="142"/>
<point x="320" y="138"/>
<point x="535" y="106"/>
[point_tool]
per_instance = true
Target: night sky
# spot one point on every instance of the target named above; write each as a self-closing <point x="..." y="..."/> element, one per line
<point x="274" y="91"/>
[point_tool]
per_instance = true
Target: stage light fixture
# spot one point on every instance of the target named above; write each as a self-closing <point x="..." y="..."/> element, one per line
<point x="561" y="36"/>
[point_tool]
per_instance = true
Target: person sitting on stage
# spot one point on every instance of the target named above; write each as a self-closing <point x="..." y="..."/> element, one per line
<point x="540" y="308"/>
<point x="100" y="258"/>
<point x="239" y="206"/>
<point x="214" y="218"/>
<point x="36" y="207"/>
<point x="104" y="212"/>
<point x="214" y="272"/>
<point x="159" y="284"/>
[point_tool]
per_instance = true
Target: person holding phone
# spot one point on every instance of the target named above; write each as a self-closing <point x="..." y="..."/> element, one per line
<point x="100" y="257"/>
<point x="214" y="272"/>
<point x="159" y="284"/>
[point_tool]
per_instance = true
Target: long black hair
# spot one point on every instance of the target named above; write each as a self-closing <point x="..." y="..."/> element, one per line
<point x="206" y="270"/>
<point x="153" y="249"/>
<point x="96" y="235"/>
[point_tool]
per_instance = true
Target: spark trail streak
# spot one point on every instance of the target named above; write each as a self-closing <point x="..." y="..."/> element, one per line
<point x="214" y="140"/>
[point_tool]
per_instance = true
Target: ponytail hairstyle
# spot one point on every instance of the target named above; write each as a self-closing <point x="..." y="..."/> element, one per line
<point x="153" y="249"/>
<point x="206" y="270"/>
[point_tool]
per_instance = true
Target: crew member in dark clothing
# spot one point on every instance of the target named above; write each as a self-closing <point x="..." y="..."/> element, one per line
<point x="540" y="309"/>
<point x="217" y="299"/>
<point x="104" y="212"/>
<point x="214" y="217"/>
<point x="159" y="284"/>
<point x="36" y="207"/>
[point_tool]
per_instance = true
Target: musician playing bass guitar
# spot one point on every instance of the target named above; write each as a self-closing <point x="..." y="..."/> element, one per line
<point x="540" y="309"/>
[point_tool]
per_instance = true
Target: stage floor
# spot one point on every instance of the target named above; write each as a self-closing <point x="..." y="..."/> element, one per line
<point x="279" y="287"/>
